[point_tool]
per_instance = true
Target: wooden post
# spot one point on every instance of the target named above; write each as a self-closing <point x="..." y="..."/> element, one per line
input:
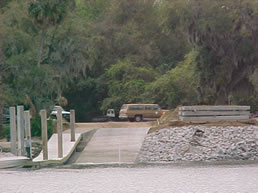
<point x="13" y="130"/>
<point x="27" y="118"/>
<point x="72" y="124"/>
<point x="60" y="132"/>
<point x="43" y="114"/>
<point x="20" y="128"/>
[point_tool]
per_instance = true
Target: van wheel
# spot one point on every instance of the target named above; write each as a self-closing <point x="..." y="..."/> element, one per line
<point x="131" y="119"/>
<point x="138" y="118"/>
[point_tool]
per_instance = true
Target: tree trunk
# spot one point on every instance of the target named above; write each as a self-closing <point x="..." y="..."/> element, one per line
<point x="222" y="97"/>
<point x="1" y="114"/>
<point x="32" y="106"/>
<point x="41" y="46"/>
<point x="1" y="104"/>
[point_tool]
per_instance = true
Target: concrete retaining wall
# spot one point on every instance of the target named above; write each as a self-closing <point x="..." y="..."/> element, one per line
<point x="199" y="143"/>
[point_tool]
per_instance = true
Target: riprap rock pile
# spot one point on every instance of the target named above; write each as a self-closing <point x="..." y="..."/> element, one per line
<point x="199" y="143"/>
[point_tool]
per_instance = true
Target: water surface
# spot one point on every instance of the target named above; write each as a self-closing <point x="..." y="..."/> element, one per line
<point x="132" y="179"/>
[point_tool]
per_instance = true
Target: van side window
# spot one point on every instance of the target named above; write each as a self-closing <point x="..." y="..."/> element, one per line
<point x="131" y="108"/>
<point x="140" y="107"/>
<point x="148" y="107"/>
<point x="156" y="107"/>
<point x="136" y="107"/>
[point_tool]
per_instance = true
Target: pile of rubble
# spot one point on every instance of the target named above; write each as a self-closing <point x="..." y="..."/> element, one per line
<point x="200" y="143"/>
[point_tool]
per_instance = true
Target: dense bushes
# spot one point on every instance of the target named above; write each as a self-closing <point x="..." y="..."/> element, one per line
<point x="36" y="127"/>
<point x="101" y="54"/>
<point x="5" y="132"/>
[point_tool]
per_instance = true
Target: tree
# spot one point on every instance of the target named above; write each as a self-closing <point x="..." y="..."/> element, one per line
<point x="100" y="54"/>
<point x="85" y="97"/>
<point x="226" y="34"/>
<point x="45" y="14"/>
<point x="126" y="84"/>
<point x="3" y="3"/>
<point x="179" y="86"/>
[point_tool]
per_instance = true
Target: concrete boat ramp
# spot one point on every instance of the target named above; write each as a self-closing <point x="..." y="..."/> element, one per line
<point x="95" y="146"/>
<point x="113" y="145"/>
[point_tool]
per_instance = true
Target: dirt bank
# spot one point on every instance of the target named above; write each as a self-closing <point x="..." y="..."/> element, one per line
<point x="171" y="119"/>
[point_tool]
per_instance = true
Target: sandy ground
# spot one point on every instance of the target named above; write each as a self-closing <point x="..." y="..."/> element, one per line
<point x="81" y="127"/>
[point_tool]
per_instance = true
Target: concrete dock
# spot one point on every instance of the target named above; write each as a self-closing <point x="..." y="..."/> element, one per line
<point x="68" y="148"/>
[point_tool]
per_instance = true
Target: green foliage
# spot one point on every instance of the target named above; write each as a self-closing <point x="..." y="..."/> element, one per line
<point x="22" y="76"/>
<point x="28" y="84"/>
<point x="100" y="54"/>
<point x="92" y="9"/>
<point x="222" y="31"/>
<point x="85" y="98"/>
<point x="254" y="79"/>
<point x="48" y="12"/>
<point x="178" y="86"/>
<point x="126" y="84"/>
<point x="36" y="127"/>
<point x="3" y="3"/>
<point x="50" y="127"/>
<point x="4" y="131"/>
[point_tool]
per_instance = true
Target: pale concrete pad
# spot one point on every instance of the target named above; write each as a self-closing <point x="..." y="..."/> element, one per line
<point x="214" y="113"/>
<point x="215" y="108"/>
<point x="213" y="118"/>
<point x="68" y="147"/>
<point x="113" y="145"/>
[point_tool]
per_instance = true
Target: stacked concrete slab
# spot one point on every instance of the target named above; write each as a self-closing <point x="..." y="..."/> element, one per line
<point x="210" y="113"/>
